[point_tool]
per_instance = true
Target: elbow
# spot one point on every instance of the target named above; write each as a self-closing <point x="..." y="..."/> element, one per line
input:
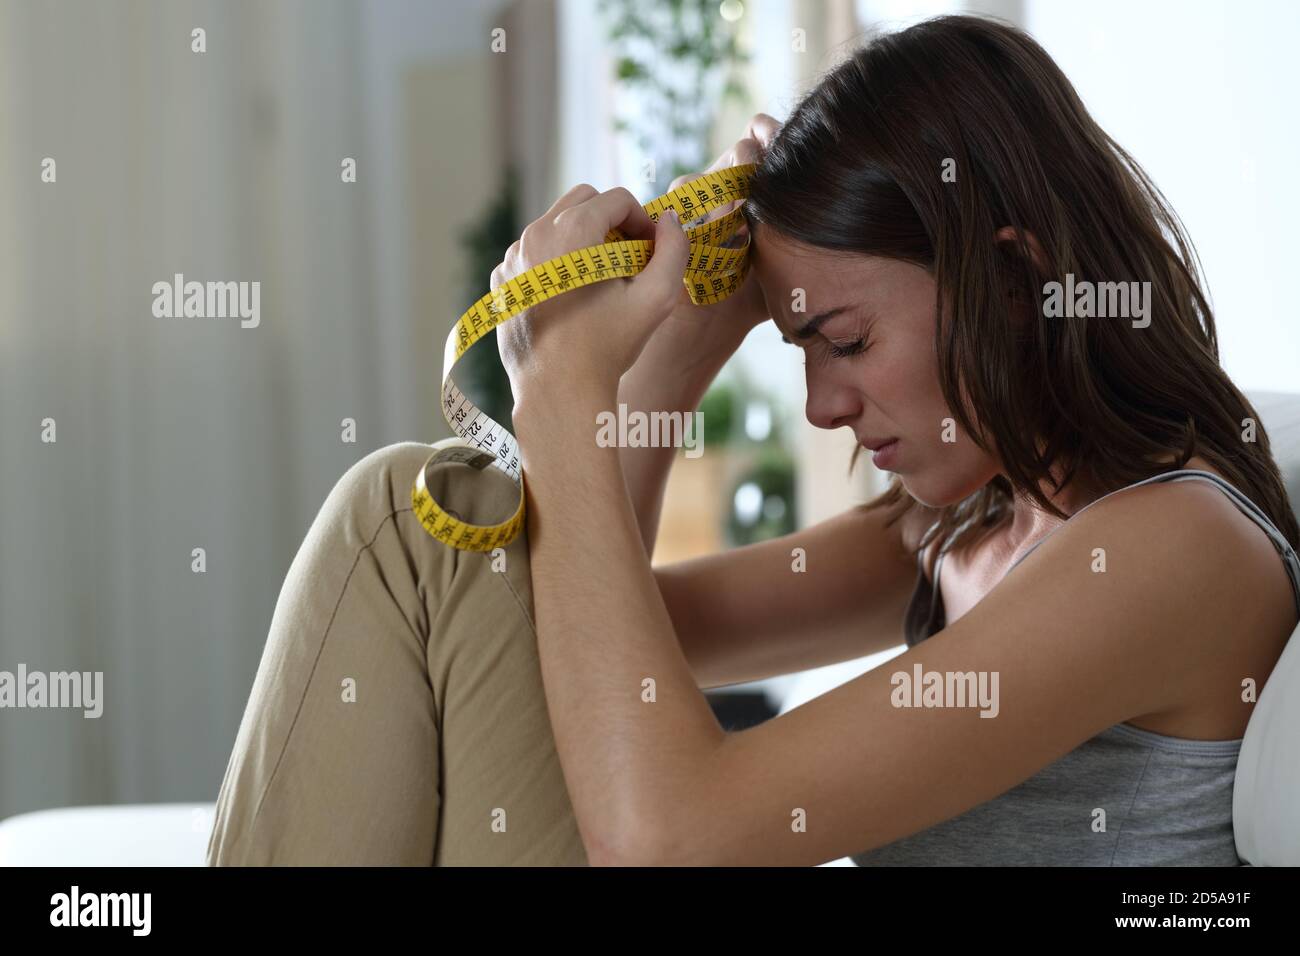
<point x="647" y="842"/>
<point x="661" y="826"/>
<point x="631" y="843"/>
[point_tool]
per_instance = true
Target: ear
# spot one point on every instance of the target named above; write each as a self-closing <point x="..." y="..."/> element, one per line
<point x="1023" y="304"/>
<point x="1009" y="244"/>
<point x="1008" y="237"/>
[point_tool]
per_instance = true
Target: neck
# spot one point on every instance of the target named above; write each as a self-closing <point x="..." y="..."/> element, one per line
<point x="1030" y="521"/>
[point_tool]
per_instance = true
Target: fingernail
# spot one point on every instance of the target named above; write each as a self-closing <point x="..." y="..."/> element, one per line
<point x="670" y="216"/>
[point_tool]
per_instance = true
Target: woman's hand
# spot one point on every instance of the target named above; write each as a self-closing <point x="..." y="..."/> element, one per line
<point x="586" y="338"/>
<point x="700" y="338"/>
<point x="686" y="351"/>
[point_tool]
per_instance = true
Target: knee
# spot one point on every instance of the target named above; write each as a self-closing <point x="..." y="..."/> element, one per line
<point x="380" y="484"/>
<point x="385" y="475"/>
<point x="373" y="489"/>
<point x="377" y="490"/>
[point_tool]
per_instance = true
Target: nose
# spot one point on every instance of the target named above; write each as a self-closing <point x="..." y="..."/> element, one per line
<point x="830" y="404"/>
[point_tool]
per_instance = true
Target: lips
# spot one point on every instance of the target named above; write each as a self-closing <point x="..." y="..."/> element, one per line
<point x="884" y="454"/>
<point x="876" y="444"/>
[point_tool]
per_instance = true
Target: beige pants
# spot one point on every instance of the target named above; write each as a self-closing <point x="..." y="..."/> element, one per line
<point x="398" y="715"/>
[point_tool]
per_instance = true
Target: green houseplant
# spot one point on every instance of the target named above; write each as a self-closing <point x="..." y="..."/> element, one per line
<point x="683" y="59"/>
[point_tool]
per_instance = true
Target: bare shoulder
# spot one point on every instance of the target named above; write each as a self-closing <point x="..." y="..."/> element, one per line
<point x="1156" y="599"/>
<point x="1184" y="545"/>
<point x="1195" y="513"/>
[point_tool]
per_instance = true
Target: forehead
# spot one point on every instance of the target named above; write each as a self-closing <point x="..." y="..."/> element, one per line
<point x="778" y="257"/>
<point x="790" y="273"/>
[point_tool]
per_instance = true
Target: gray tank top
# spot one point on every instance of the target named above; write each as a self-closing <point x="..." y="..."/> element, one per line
<point x="1167" y="800"/>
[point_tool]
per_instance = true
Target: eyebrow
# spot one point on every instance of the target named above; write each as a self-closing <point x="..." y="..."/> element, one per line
<point x="809" y="330"/>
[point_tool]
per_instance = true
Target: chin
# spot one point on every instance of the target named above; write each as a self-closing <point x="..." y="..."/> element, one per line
<point x="938" y="488"/>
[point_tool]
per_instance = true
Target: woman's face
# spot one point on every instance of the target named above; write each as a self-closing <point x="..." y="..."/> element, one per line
<point x="866" y="326"/>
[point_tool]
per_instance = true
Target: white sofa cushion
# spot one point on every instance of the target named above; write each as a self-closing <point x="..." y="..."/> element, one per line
<point x="1266" y="793"/>
<point x="157" y="834"/>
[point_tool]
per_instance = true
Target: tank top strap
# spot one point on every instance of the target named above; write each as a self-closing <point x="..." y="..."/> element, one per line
<point x="1243" y="503"/>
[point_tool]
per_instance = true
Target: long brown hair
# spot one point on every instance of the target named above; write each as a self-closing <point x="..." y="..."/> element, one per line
<point x="858" y="167"/>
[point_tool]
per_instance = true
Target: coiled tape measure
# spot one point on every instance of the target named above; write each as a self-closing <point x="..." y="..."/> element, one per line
<point x="713" y="272"/>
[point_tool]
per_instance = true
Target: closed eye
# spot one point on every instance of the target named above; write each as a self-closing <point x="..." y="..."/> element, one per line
<point x="838" y="351"/>
<point x="843" y="351"/>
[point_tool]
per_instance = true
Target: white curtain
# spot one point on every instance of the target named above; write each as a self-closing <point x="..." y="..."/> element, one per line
<point x="174" y="434"/>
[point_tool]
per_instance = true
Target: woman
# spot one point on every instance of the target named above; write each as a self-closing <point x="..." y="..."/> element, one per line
<point x="906" y="222"/>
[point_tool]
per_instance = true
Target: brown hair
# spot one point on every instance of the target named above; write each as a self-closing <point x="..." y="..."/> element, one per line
<point x="857" y="168"/>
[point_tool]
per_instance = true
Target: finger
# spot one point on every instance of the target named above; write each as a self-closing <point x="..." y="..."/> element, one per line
<point x="510" y="261"/>
<point x="748" y="149"/>
<point x="578" y="194"/>
<point x="725" y="159"/>
<point x="501" y="273"/>
<point x="593" y="218"/>
<point x="758" y="138"/>
<point x="539" y="230"/>
<point x="763" y="128"/>
<point x="658" y="287"/>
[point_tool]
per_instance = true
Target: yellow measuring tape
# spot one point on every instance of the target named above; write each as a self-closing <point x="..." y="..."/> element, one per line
<point x="713" y="272"/>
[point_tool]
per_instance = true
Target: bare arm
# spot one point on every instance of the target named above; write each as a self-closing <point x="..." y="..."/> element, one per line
<point x="686" y="352"/>
<point x="747" y="614"/>
<point x="666" y="384"/>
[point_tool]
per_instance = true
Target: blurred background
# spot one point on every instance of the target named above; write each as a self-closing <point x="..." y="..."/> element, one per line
<point x="464" y="121"/>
